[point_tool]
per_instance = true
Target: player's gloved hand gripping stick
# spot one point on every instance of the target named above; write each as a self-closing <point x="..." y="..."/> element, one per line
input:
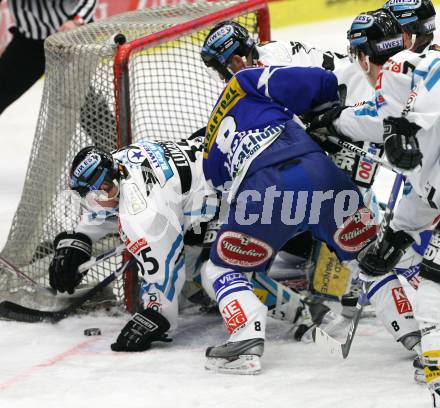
<point x="14" y="311"/>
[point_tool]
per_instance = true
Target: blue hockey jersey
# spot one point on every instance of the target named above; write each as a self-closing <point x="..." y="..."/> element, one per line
<point x="255" y="109"/>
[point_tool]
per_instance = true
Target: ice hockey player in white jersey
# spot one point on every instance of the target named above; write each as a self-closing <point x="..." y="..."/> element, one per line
<point x="228" y="49"/>
<point x="404" y="115"/>
<point x="152" y="193"/>
<point x="417" y="18"/>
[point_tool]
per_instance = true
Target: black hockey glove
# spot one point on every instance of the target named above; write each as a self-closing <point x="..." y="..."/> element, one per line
<point x="71" y="250"/>
<point x="391" y="247"/>
<point x="144" y="328"/>
<point x="310" y="314"/>
<point x="324" y="121"/>
<point x="400" y="142"/>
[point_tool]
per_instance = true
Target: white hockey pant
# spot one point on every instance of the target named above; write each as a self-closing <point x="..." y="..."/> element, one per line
<point x="243" y="313"/>
<point x="394" y="309"/>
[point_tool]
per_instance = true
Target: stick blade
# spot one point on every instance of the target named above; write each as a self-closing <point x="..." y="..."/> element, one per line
<point x="18" y="313"/>
<point x="328" y="343"/>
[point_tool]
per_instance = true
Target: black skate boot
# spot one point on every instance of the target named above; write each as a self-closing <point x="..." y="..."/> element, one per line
<point x="240" y="357"/>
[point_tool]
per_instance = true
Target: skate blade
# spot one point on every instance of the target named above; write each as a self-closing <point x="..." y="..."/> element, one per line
<point x="244" y="365"/>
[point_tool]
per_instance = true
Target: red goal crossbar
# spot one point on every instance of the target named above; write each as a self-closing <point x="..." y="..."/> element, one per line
<point x="123" y="52"/>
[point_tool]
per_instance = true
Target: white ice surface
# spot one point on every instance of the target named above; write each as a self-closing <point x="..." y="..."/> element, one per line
<point x="45" y="366"/>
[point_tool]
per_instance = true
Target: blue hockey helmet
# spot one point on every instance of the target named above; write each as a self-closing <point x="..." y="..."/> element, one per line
<point x="223" y="41"/>
<point x="377" y="34"/>
<point x="90" y="168"/>
<point x="415" y="16"/>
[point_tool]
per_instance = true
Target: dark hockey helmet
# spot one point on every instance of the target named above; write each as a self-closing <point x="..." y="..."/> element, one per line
<point x="224" y="40"/>
<point x="415" y="16"/>
<point x="377" y="34"/>
<point x="90" y="168"/>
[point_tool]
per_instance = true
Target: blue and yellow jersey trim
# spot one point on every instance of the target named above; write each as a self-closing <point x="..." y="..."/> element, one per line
<point x="229" y="98"/>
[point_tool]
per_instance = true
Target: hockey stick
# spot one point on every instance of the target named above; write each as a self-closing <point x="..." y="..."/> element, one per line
<point x="10" y="267"/>
<point x="320" y="337"/>
<point x="360" y="152"/>
<point x="97" y="259"/>
<point x="14" y="311"/>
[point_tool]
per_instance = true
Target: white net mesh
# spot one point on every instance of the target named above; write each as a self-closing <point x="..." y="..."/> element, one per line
<point x="171" y="96"/>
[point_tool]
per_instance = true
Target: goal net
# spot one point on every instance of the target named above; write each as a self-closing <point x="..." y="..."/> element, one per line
<point x="100" y="93"/>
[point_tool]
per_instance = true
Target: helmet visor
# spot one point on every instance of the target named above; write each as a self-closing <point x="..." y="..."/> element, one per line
<point x="92" y="183"/>
<point x="218" y="71"/>
<point x="354" y="43"/>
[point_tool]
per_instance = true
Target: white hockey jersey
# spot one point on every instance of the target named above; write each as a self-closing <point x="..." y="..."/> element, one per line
<point x="407" y="85"/>
<point x="349" y="75"/>
<point x="163" y="195"/>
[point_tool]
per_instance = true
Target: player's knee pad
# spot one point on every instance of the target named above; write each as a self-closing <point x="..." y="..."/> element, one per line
<point x="393" y="308"/>
<point x="430" y="266"/>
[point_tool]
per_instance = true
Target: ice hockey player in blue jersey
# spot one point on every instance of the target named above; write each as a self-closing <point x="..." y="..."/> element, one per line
<point x="279" y="183"/>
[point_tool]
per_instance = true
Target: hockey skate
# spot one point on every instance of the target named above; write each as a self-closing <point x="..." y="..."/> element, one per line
<point x="241" y="357"/>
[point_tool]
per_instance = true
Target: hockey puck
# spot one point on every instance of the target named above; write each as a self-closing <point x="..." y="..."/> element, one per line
<point x="92" y="332"/>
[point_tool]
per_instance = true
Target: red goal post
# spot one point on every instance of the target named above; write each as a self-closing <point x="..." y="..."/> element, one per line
<point x="122" y="82"/>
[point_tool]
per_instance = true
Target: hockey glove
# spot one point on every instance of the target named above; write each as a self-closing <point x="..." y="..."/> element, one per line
<point x="144" y="328"/>
<point x="378" y="260"/>
<point x="400" y="142"/>
<point x="310" y="314"/>
<point x="324" y="121"/>
<point x="71" y="250"/>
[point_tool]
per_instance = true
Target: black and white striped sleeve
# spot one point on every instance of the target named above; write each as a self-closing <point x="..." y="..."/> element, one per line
<point x="37" y="19"/>
<point x="85" y="9"/>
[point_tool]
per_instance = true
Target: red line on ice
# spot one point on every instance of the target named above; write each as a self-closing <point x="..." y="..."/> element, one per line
<point x="24" y="375"/>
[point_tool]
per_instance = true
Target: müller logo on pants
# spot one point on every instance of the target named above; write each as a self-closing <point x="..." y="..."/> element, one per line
<point x="235" y="248"/>
<point x="356" y="231"/>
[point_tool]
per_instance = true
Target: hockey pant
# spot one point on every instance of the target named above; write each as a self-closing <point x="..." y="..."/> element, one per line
<point x="155" y="297"/>
<point x="397" y="317"/>
<point x="394" y="310"/>
<point x="272" y="206"/>
<point x="391" y="304"/>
